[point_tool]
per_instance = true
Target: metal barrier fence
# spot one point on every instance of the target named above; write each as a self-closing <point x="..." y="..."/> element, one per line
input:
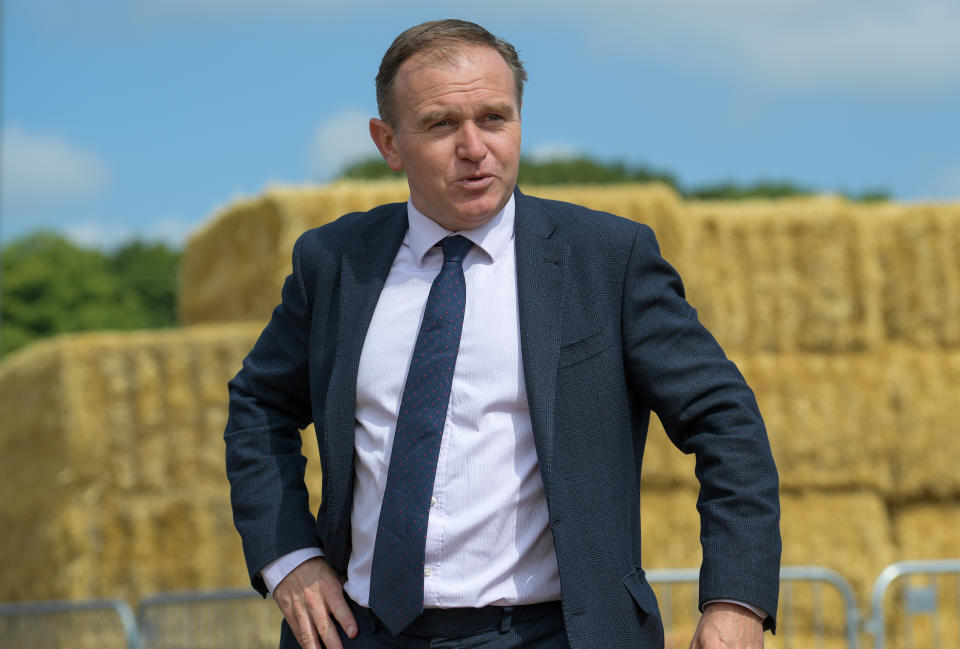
<point x="916" y="604"/>
<point x="95" y="624"/>
<point x="221" y="619"/>
<point x="817" y="608"/>
<point x="927" y="597"/>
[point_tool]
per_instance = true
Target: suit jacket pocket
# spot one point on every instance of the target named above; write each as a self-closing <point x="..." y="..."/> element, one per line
<point x="641" y="592"/>
<point x="580" y="350"/>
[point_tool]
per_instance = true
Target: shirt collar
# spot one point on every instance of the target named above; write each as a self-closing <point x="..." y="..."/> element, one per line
<point x="492" y="237"/>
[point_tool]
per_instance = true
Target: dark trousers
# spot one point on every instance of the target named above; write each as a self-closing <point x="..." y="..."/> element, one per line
<point x="545" y="632"/>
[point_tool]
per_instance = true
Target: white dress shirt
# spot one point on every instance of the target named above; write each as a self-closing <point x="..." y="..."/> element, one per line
<point x="488" y="535"/>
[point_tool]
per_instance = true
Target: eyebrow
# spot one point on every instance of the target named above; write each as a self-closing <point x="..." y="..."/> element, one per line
<point x="436" y="115"/>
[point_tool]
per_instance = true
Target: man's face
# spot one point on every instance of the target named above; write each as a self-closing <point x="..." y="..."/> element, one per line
<point x="457" y="135"/>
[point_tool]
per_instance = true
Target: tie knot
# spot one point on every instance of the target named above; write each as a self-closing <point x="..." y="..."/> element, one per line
<point x="455" y="248"/>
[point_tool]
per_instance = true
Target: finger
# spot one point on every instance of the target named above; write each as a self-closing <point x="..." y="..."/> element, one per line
<point x="342" y="613"/>
<point x="327" y="629"/>
<point x="305" y="633"/>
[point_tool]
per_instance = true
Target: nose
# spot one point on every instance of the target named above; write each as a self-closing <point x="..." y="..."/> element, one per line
<point x="471" y="145"/>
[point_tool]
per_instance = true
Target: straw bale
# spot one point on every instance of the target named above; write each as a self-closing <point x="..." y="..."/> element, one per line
<point x="111" y="448"/>
<point x="132" y="545"/>
<point x="657" y="205"/>
<point x="923" y="388"/>
<point x="818" y="409"/>
<point x="234" y="267"/>
<point x="33" y="465"/>
<point x="671" y="528"/>
<point x="828" y="417"/>
<point x="918" y="247"/>
<point x="849" y="532"/>
<point x="929" y="530"/>
<point x="783" y="276"/>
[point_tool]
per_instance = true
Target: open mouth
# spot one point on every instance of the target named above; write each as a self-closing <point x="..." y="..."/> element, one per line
<point x="476" y="181"/>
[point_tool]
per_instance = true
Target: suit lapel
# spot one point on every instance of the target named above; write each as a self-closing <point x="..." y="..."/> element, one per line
<point x="540" y="260"/>
<point x="363" y="271"/>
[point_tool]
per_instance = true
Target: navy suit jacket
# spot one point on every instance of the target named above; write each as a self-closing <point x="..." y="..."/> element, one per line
<point x="606" y="337"/>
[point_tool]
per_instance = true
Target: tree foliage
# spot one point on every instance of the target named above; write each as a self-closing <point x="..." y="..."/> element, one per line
<point x="51" y="286"/>
<point x="581" y="170"/>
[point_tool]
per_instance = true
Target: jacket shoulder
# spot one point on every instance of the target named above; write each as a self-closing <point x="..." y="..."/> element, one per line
<point x="348" y="231"/>
<point x="586" y="223"/>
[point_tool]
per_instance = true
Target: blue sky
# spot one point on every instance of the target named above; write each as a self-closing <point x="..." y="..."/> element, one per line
<point x="139" y="118"/>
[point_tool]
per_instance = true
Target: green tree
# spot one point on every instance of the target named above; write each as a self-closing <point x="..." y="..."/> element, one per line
<point x="580" y="170"/>
<point x="583" y="170"/>
<point x="53" y="286"/>
<point x="370" y="168"/>
<point x="735" y="191"/>
<point x="147" y="274"/>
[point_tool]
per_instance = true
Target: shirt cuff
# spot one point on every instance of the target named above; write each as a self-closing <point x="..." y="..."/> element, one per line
<point x="275" y="571"/>
<point x="759" y="612"/>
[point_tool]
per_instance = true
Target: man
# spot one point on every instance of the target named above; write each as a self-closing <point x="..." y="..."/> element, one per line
<point x="481" y="411"/>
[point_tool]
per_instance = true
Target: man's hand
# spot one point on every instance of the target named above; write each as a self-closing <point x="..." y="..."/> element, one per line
<point x="312" y="601"/>
<point x="728" y="626"/>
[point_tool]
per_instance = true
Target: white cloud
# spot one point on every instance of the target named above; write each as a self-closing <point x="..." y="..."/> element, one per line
<point x="885" y="46"/>
<point x="880" y="46"/>
<point x="97" y="235"/>
<point x="337" y="142"/>
<point x="172" y="231"/>
<point x="41" y="170"/>
<point x="548" y="151"/>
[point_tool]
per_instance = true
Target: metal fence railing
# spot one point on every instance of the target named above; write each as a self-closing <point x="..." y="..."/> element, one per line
<point x="817" y="608"/>
<point x="234" y="619"/>
<point x="916" y="604"/>
<point x="93" y="624"/>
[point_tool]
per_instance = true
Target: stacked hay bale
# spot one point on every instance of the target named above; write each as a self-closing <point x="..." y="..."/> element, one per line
<point x="844" y="318"/>
<point x="110" y="449"/>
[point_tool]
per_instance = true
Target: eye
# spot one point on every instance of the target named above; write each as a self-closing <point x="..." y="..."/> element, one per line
<point x="440" y="124"/>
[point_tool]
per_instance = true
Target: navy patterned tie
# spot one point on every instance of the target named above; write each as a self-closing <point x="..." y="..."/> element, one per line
<point x="396" y="580"/>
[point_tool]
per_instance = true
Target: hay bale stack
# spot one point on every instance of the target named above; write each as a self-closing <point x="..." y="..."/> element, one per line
<point x="816" y="408"/>
<point x="918" y="247"/>
<point x="923" y="387"/>
<point x="671" y="527"/>
<point x="789" y="275"/>
<point x="849" y="532"/>
<point x="928" y="530"/>
<point x="233" y="268"/>
<point x="111" y="445"/>
<point x="35" y="466"/>
<point x="658" y="206"/>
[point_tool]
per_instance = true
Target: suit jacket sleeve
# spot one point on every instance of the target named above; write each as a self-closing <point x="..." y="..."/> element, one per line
<point x="269" y="403"/>
<point x="706" y="407"/>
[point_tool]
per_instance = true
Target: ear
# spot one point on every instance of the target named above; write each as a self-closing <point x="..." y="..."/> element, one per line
<point x="386" y="141"/>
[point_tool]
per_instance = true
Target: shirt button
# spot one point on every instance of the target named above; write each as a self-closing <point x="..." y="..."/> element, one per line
<point x="426" y="571"/>
<point x="433" y="502"/>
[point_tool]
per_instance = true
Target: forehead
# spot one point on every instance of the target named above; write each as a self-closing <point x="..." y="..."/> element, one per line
<point x="456" y="74"/>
